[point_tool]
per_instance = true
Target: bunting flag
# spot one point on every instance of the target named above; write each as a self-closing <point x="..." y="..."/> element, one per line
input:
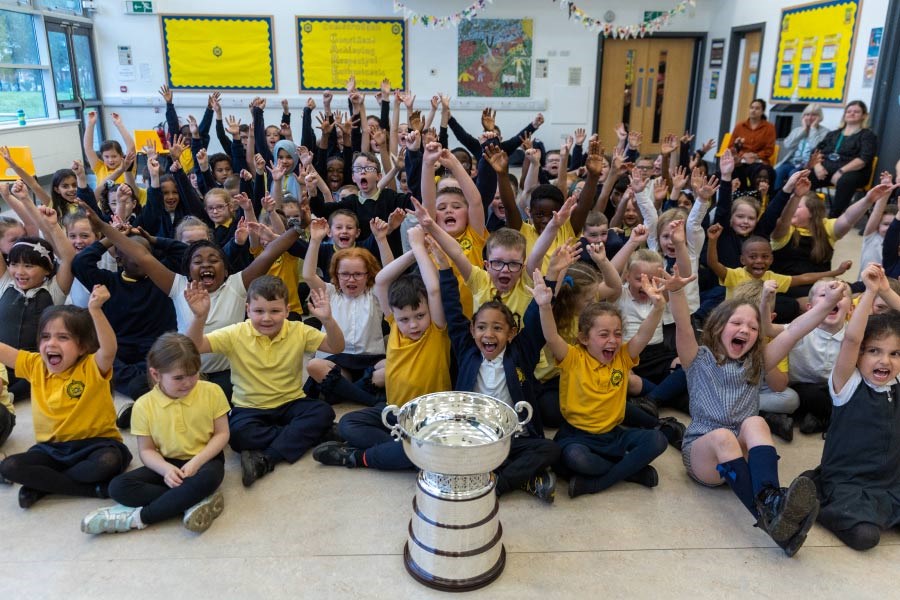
<point x="625" y="31"/>
<point x="436" y="22"/>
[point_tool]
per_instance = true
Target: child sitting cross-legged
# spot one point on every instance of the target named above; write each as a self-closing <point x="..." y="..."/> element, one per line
<point x="417" y="363"/>
<point x="78" y="450"/>
<point x="182" y="428"/>
<point x="272" y="420"/>
<point x="593" y="384"/>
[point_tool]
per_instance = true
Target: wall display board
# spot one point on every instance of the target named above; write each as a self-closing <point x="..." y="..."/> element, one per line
<point x="495" y="58"/>
<point x="815" y="46"/>
<point x="331" y="49"/>
<point x="219" y="52"/>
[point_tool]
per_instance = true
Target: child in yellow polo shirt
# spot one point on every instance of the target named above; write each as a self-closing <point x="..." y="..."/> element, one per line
<point x="182" y="428"/>
<point x="7" y="412"/>
<point x="593" y="385"/>
<point x="756" y="259"/>
<point x="417" y="363"/>
<point x="79" y="449"/>
<point x="272" y="420"/>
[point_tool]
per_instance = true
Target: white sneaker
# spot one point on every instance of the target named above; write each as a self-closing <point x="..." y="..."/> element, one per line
<point x="200" y="516"/>
<point x="112" y="519"/>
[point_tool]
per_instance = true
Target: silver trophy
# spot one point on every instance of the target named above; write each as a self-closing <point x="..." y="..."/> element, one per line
<point x="457" y="439"/>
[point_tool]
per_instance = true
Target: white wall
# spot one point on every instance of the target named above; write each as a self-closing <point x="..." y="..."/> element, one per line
<point x="730" y="14"/>
<point x="54" y="145"/>
<point x="564" y="43"/>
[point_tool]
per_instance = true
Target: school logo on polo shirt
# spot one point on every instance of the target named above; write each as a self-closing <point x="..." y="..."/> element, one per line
<point x="75" y="389"/>
<point x="465" y="244"/>
<point x="617" y="377"/>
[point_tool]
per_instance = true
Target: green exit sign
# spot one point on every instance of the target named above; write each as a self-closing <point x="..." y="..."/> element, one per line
<point x="138" y="7"/>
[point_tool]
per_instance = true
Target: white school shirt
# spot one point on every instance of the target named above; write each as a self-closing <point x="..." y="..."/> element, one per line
<point x="78" y="294"/>
<point x="812" y="358"/>
<point x="491" y="379"/>
<point x="56" y="293"/>
<point x="359" y="319"/>
<point x="856" y="380"/>
<point x="871" y="252"/>
<point x="228" y="305"/>
<point x="634" y="313"/>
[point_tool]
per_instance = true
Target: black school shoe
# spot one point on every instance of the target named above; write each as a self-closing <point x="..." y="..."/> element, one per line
<point x="783" y="513"/>
<point x="337" y="454"/>
<point x="811" y="424"/>
<point x="254" y="465"/>
<point x="647" y="405"/>
<point x="29" y="496"/>
<point x="123" y="419"/>
<point x="674" y="430"/>
<point x="780" y="424"/>
<point x="542" y="486"/>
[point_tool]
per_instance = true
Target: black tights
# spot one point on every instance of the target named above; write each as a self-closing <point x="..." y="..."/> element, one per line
<point x="88" y="477"/>
<point x="861" y="536"/>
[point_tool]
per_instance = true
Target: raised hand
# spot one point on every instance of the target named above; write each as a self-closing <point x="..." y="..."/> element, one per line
<point x="580" y="136"/>
<point x="704" y="187"/>
<point x="278" y="172"/>
<point x="543" y="295"/>
<point x="192" y="125"/>
<point x="637" y="182"/>
<point x="537" y="121"/>
<point x="677" y="229"/>
<point x="597" y="252"/>
<point x="561" y="216"/>
<point x="594" y="161"/>
<point x="395" y="219"/>
<point x="197" y="298"/>
<point x="166" y="93"/>
<point x="319" y="306"/>
<point x="380" y="229"/>
<point x="488" y="119"/>
<point x="669" y="144"/>
<point x="714" y="231"/>
<point x="178" y="146"/>
<point x="844" y="267"/>
<point x="318" y="229"/>
<point x="679" y="179"/>
<point x="675" y="282"/>
<point x="726" y="164"/>
<point x="99" y="296"/>
<point x="634" y="139"/>
<point x="654" y="289"/>
<point x="497" y="158"/>
<point x="325" y="124"/>
<point x="564" y="257"/>
<point x="621" y="132"/>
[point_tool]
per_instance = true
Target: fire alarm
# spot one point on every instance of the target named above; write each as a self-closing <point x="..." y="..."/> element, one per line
<point x="123" y="89"/>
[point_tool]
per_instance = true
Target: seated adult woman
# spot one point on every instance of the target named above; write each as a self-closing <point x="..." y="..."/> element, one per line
<point x="846" y="157"/>
<point x="753" y="143"/>
<point x="798" y="146"/>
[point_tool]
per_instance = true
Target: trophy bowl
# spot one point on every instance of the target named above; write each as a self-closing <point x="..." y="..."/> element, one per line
<point x="456" y="433"/>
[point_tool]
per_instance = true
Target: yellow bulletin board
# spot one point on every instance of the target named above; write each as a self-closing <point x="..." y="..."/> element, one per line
<point x="815" y="47"/>
<point x="219" y="53"/>
<point x="331" y="49"/>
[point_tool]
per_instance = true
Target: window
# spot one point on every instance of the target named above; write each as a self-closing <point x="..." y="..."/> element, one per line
<point x="22" y="74"/>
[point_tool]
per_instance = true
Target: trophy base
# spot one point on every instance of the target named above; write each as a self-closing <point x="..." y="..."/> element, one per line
<point x="453" y="585"/>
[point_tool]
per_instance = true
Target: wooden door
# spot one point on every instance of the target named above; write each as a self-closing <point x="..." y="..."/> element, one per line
<point x="622" y="87"/>
<point x="645" y="84"/>
<point x="749" y="75"/>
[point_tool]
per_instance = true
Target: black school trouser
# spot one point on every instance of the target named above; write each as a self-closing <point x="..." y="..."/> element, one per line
<point x="528" y="456"/>
<point x="147" y="488"/>
<point x="7" y="422"/>
<point x="814" y="399"/>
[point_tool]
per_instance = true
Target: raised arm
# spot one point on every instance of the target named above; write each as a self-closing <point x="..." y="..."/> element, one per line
<point x="446" y="241"/>
<point x="685" y="340"/>
<point x="856" y="210"/>
<point x="635" y="240"/>
<point x="262" y="263"/>
<point x="543" y="296"/>
<point x="644" y="334"/>
<point x="198" y="300"/>
<point x="470" y="190"/>
<point x="320" y="308"/>
<point x="782" y="344"/>
<point x="594" y="166"/>
<point x="545" y="240"/>
<point x="712" y="252"/>
<point x="388" y="275"/>
<point x="318" y="229"/>
<point x="611" y="287"/>
<point x="798" y="185"/>
<point x="106" y="337"/>
<point x="88" y="142"/>
<point x="499" y="161"/>
<point x="429" y="275"/>
<point x="878" y="209"/>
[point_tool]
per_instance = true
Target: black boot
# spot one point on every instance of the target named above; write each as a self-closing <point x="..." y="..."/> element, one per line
<point x="784" y="512"/>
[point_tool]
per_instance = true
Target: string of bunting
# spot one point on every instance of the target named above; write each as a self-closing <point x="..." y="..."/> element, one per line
<point x="436" y="22"/>
<point x="625" y="31"/>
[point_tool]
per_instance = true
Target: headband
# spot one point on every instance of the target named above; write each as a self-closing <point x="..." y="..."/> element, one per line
<point x="39" y="248"/>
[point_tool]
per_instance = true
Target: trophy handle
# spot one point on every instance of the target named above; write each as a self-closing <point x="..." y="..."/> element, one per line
<point x="395" y="428"/>
<point x="520" y="406"/>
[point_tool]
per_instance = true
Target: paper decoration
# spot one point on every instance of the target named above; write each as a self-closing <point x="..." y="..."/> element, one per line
<point x="436" y="22"/>
<point x="644" y="28"/>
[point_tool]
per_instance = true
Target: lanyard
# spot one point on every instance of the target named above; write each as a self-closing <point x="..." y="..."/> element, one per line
<point x="840" y="140"/>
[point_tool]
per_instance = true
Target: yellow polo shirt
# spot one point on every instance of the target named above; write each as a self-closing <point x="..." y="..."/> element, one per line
<point x="266" y="373"/>
<point x="4" y="393"/>
<point x="735" y="277"/>
<point x="591" y="394"/>
<point x="531" y="235"/>
<point x="483" y="290"/>
<point x="102" y="172"/>
<point x="73" y="405"/>
<point x="416" y="367"/>
<point x="783" y="241"/>
<point x="287" y="268"/>
<point x="179" y="427"/>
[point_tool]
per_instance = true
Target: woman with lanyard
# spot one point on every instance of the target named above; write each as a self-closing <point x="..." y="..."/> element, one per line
<point x="798" y="146"/>
<point x="845" y="157"/>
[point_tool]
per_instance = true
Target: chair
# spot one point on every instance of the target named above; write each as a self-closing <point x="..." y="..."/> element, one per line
<point x="22" y="157"/>
<point x="726" y="143"/>
<point x="774" y="159"/>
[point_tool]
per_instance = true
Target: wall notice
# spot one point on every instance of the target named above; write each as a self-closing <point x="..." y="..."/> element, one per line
<point x="331" y="49"/>
<point x="815" y="47"/>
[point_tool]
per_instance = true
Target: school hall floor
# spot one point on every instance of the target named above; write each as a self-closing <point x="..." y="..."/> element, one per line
<point x="312" y="531"/>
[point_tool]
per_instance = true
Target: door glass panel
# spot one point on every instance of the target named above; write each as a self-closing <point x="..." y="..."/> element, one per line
<point x="628" y="95"/>
<point x="62" y="69"/>
<point x="660" y="94"/>
<point x="65" y="6"/>
<point x="85" y="66"/>
<point x="68" y="114"/>
<point x="22" y="88"/>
